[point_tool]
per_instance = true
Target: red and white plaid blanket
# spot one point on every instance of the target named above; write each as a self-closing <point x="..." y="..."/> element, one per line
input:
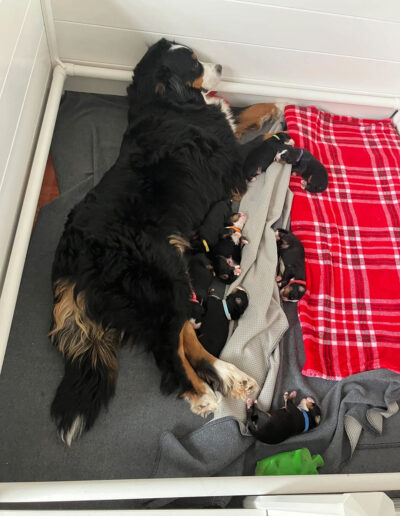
<point x="350" y="315"/>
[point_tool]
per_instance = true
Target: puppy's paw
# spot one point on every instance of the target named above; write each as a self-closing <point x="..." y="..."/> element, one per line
<point x="204" y="404"/>
<point x="303" y="184"/>
<point x="237" y="271"/>
<point x="277" y="237"/>
<point x="253" y="179"/>
<point x="293" y="395"/>
<point x="235" y="383"/>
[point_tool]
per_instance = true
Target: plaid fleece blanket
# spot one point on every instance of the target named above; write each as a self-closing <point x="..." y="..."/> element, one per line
<point x="350" y="315"/>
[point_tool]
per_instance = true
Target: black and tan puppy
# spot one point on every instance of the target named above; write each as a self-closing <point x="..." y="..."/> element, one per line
<point x="291" y="277"/>
<point x="264" y="153"/>
<point x="227" y="253"/>
<point x="201" y="274"/>
<point x="313" y="172"/>
<point x="215" y="322"/>
<point x="276" y="426"/>
<point x="210" y="231"/>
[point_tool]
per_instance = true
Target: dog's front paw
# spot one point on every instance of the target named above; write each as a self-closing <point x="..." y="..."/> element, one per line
<point x="235" y="383"/>
<point x="204" y="404"/>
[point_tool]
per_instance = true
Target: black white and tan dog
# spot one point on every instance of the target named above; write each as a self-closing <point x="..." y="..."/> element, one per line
<point x="265" y="152"/>
<point x="278" y="425"/>
<point x="208" y="234"/>
<point x="227" y="253"/>
<point x="291" y="277"/>
<point x="314" y="174"/>
<point x="218" y="313"/>
<point x="118" y="274"/>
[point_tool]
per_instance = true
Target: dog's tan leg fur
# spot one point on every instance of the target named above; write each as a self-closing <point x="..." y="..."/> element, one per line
<point x="254" y="117"/>
<point x="234" y="382"/>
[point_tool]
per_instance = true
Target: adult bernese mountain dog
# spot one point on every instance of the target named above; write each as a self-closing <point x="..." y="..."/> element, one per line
<point x="119" y="274"/>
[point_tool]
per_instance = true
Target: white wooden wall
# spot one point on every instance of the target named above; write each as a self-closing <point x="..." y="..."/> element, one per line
<point x="346" y="45"/>
<point x="24" y="72"/>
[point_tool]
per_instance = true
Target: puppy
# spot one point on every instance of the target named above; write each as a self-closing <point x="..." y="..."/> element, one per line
<point x="276" y="426"/>
<point x="313" y="172"/>
<point x="209" y="232"/>
<point x="227" y="253"/>
<point x="264" y="153"/>
<point x="291" y="276"/>
<point x="215" y="322"/>
<point x="201" y="273"/>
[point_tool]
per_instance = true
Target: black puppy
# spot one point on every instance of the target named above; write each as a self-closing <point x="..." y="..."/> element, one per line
<point x="215" y="322"/>
<point x="227" y="253"/>
<point x="209" y="232"/>
<point x="264" y="153"/>
<point x="291" y="277"/>
<point x="201" y="274"/>
<point x="313" y="172"/>
<point x="276" y="426"/>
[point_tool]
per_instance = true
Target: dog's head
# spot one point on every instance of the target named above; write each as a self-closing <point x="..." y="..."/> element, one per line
<point x="293" y="292"/>
<point x="314" y="412"/>
<point x="171" y="70"/>
<point x="237" y="302"/>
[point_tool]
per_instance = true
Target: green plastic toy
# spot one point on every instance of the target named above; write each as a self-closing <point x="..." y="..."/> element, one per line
<point x="297" y="462"/>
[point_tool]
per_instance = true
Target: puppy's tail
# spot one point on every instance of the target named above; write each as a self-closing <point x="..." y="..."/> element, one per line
<point x="90" y="364"/>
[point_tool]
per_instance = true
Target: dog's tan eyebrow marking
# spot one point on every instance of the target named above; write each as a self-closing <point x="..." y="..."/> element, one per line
<point x="194" y="56"/>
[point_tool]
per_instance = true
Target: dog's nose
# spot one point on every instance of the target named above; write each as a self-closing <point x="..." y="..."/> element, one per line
<point x="218" y="68"/>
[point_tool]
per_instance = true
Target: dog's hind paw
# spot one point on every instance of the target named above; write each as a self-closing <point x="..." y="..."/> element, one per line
<point x="204" y="404"/>
<point x="235" y="383"/>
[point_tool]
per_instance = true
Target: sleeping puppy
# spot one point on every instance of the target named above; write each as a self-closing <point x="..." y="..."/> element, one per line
<point x="209" y="232"/>
<point x="264" y="153"/>
<point x="215" y="322"/>
<point x="313" y="172"/>
<point x="276" y="426"/>
<point x="226" y="255"/>
<point x="291" y="276"/>
<point x="201" y="274"/>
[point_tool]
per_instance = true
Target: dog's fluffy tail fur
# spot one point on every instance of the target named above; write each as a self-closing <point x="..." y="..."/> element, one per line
<point x="90" y="364"/>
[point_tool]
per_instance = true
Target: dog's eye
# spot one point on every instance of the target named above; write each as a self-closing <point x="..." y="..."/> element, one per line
<point x="224" y="276"/>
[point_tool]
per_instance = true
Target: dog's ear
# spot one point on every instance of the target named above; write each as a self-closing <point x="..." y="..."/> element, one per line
<point x="162" y="78"/>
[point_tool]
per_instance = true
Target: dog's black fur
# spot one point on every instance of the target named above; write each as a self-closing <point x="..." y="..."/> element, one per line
<point x="313" y="172"/>
<point x="263" y="153"/>
<point x="115" y="273"/>
<point x="276" y="426"/>
<point x="215" y="325"/>
<point x="291" y="255"/>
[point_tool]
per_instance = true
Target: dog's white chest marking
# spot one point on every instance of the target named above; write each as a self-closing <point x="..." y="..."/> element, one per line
<point x="224" y="107"/>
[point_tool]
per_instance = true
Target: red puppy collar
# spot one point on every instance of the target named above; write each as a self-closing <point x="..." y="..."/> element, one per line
<point x="299" y="281"/>
<point x="194" y="297"/>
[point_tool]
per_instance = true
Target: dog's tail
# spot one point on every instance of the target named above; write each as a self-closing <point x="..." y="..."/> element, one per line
<point x="90" y="364"/>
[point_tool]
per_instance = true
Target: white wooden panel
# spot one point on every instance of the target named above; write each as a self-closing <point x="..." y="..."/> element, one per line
<point x="13" y="93"/>
<point x="371" y="9"/>
<point x="21" y="99"/>
<point x="17" y="169"/>
<point x="255" y="24"/>
<point x="241" y="62"/>
<point x="12" y="15"/>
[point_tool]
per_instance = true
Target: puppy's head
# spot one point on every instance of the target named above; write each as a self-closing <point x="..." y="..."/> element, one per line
<point x="317" y="180"/>
<point x="292" y="292"/>
<point x="314" y="412"/>
<point x="225" y="270"/>
<point x="169" y="69"/>
<point x="237" y="302"/>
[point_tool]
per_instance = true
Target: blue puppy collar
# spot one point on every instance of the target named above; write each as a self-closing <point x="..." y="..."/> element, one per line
<point x="228" y="315"/>
<point x="306" y="420"/>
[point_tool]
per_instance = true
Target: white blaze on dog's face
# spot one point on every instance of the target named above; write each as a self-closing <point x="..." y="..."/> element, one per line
<point x="211" y="76"/>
